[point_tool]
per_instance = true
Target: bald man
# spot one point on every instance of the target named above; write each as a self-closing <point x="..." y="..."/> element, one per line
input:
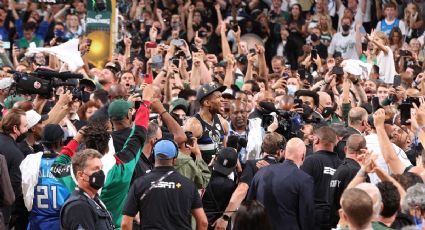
<point x="286" y="191"/>
<point x="356" y="144"/>
<point x="325" y="108"/>
<point x="374" y="193"/>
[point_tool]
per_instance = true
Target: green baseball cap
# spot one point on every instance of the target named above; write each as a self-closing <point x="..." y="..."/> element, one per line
<point x="119" y="109"/>
<point x="179" y="103"/>
<point x="11" y="100"/>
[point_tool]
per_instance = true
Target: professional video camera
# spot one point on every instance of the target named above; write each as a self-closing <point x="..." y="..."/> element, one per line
<point x="289" y="123"/>
<point x="45" y="82"/>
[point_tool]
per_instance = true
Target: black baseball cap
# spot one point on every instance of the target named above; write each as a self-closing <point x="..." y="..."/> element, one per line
<point x="207" y="89"/>
<point x="226" y="161"/>
<point x="52" y="133"/>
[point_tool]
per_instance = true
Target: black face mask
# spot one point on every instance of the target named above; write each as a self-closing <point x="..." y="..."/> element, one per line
<point x="307" y="112"/>
<point x="97" y="179"/>
<point x="327" y="111"/>
<point x="21" y="137"/>
<point x="314" y="37"/>
<point x="346" y="27"/>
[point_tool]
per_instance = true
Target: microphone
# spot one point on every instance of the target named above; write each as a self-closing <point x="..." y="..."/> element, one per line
<point x="267" y="107"/>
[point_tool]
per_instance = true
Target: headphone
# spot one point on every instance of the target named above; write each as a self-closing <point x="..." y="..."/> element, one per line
<point x="166" y="139"/>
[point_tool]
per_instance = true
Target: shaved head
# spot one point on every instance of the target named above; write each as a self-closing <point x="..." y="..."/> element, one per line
<point x="117" y="91"/>
<point x="374" y="193"/>
<point x="295" y="150"/>
<point x="357" y="115"/>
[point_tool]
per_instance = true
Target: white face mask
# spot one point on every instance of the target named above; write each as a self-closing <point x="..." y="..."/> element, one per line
<point x="291" y="90"/>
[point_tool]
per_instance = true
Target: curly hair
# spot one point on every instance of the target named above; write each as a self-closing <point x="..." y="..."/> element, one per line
<point x="96" y="135"/>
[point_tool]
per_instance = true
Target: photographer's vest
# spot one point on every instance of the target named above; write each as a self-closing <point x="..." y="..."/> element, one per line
<point x="212" y="137"/>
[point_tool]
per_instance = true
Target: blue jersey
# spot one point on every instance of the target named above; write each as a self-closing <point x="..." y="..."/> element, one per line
<point x="386" y="28"/>
<point x="49" y="197"/>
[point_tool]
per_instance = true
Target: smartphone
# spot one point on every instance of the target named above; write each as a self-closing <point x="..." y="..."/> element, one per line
<point x="176" y="62"/>
<point x="150" y="45"/>
<point x="6" y="45"/>
<point x="202" y="34"/>
<point x="157" y="61"/>
<point x="405" y="111"/>
<point x="375" y="104"/>
<point x="298" y="103"/>
<point x="253" y="51"/>
<point x="301" y="72"/>
<point x="364" y="46"/>
<point x="177" y="42"/>
<point x="397" y="81"/>
<point x="314" y="54"/>
<point x="405" y="53"/>
<point x="189" y="136"/>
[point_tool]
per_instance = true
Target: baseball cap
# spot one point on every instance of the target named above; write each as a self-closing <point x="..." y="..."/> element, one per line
<point x="165" y="150"/>
<point x="179" y="103"/>
<point x="118" y="109"/>
<point x="226" y="161"/>
<point x="52" y="133"/>
<point x="113" y="66"/>
<point x="34" y="118"/>
<point x="6" y="82"/>
<point x="87" y="82"/>
<point x="229" y="93"/>
<point x="207" y="89"/>
<point x="11" y="100"/>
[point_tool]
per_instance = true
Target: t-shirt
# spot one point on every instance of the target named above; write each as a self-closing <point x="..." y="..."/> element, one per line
<point x="340" y="180"/>
<point x="386" y="66"/>
<point x="372" y="145"/>
<point x="251" y="169"/>
<point x="168" y="204"/>
<point x="344" y="44"/>
<point x="321" y="166"/>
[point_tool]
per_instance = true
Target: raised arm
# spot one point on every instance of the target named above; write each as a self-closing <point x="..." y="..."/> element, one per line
<point x="387" y="149"/>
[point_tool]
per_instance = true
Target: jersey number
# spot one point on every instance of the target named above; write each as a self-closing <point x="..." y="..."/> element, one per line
<point x="43" y="196"/>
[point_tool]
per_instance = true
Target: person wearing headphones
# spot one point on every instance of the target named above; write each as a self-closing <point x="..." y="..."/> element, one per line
<point x="164" y="198"/>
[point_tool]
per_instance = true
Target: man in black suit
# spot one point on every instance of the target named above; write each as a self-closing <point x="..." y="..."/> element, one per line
<point x="357" y="124"/>
<point x="286" y="191"/>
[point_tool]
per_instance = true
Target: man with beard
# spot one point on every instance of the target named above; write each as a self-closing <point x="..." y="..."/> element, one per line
<point x="370" y="89"/>
<point x="35" y="127"/>
<point x="401" y="137"/>
<point x="208" y="126"/>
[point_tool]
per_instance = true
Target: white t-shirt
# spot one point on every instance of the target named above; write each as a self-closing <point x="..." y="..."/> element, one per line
<point x="358" y="18"/>
<point x="372" y="144"/>
<point x="386" y="66"/>
<point x="344" y="44"/>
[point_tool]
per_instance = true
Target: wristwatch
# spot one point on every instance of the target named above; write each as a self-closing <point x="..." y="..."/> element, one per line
<point x="226" y="217"/>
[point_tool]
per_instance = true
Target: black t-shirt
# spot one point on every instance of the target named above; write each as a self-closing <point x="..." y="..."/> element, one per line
<point x="143" y="166"/>
<point x="321" y="166"/>
<point x="217" y="196"/>
<point x="120" y="137"/>
<point x="340" y="180"/>
<point x="251" y="169"/>
<point x="168" y="204"/>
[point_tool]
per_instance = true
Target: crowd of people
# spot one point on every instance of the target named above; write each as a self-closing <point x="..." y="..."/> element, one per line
<point x="239" y="114"/>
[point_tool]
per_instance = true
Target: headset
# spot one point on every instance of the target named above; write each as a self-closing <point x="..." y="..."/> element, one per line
<point x="167" y="139"/>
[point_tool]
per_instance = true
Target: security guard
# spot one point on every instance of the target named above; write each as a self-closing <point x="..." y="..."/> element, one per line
<point x="83" y="209"/>
<point x="164" y="198"/>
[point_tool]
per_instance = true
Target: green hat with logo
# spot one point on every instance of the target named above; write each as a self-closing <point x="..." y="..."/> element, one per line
<point x="118" y="109"/>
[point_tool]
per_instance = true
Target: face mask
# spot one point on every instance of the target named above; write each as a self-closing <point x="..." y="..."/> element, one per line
<point x="327" y="111"/>
<point x="345" y="27"/>
<point x="314" y="37"/>
<point x="97" y="179"/>
<point x="307" y="111"/>
<point x="291" y="89"/>
<point x="21" y="137"/>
